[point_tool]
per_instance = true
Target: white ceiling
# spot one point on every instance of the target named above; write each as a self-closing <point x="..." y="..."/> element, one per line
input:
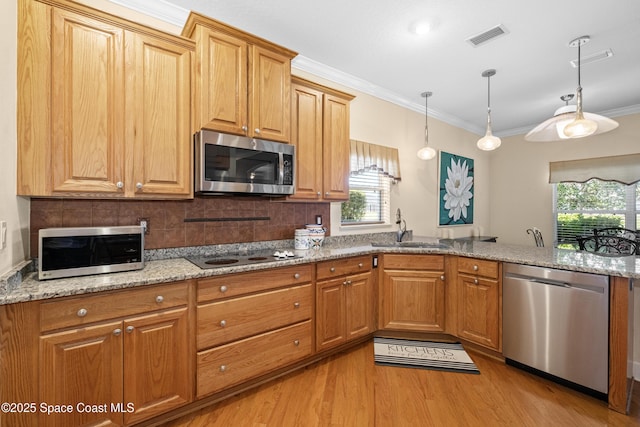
<point x="368" y="45"/>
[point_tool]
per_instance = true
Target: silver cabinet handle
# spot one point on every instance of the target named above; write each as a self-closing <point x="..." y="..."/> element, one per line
<point x="360" y="265"/>
<point x="223" y="323"/>
<point x="139" y="185"/>
<point x="442" y="277"/>
<point x="82" y="312"/>
<point x="475" y="268"/>
<point x="475" y="281"/>
<point x="326" y="194"/>
<point x="129" y="329"/>
<point x="332" y="269"/>
<point x="296" y="305"/>
<point x="120" y="184"/>
<point x="223" y="288"/>
<point x="318" y="194"/>
<point x="245" y="128"/>
<point x="257" y="130"/>
<point x="159" y="299"/>
<point x="117" y="332"/>
<point x="223" y="368"/>
<point x="296" y="276"/>
<point x="296" y="343"/>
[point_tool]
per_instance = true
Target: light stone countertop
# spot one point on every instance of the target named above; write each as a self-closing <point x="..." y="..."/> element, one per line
<point x="178" y="268"/>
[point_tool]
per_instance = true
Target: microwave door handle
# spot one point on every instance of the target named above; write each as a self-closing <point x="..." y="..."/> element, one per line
<point x="280" y="168"/>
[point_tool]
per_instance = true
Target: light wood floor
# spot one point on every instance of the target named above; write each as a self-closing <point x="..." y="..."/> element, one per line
<point x="348" y="390"/>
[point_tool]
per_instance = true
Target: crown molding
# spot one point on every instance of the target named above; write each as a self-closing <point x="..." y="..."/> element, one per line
<point x="158" y="9"/>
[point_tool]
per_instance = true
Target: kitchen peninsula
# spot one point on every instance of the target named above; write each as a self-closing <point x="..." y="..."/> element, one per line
<point x="186" y="291"/>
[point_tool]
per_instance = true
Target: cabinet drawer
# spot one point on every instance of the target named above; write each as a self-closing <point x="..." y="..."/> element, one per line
<point x="478" y="267"/>
<point x="94" y="308"/>
<point x="236" y="318"/>
<point x="231" y="364"/>
<point x="414" y="262"/>
<point x="213" y="288"/>
<point x="340" y="267"/>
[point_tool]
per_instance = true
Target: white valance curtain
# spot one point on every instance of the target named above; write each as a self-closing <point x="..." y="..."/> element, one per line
<point x="623" y="169"/>
<point x="366" y="156"/>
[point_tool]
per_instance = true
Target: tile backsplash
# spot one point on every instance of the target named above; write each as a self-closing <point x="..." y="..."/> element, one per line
<point x="179" y="223"/>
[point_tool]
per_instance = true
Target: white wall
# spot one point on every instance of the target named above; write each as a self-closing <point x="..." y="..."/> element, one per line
<point x="14" y="210"/>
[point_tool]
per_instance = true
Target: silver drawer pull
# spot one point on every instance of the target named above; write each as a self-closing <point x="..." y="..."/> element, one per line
<point x="442" y="277"/>
<point x="296" y="343"/>
<point x="82" y="312"/>
<point x="296" y="276"/>
<point x="129" y="329"/>
<point x="475" y="268"/>
<point x="223" y="323"/>
<point x="296" y="305"/>
<point x="223" y="368"/>
<point x="475" y="281"/>
<point x="360" y="265"/>
<point x="223" y="288"/>
<point x="159" y="299"/>
<point x="117" y="332"/>
<point x="332" y="269"/>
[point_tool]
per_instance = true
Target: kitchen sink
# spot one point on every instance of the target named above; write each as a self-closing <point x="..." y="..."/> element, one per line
<point x="411" y="244"/>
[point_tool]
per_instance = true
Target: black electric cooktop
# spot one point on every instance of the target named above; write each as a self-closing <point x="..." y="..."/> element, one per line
<point x="229" y="260"/>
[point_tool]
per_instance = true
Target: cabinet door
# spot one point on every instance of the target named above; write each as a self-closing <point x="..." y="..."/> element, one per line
<point x="270" y="89"/>
<point x="160" y="102"/>
<point x="336" y="148"/>
<point x="330" y="309"/>
<point x="479" y="310"/>
<point x="222" y="82"/>
<point x="87" y="104"/>
<point x="359" y="305"/>
<point x="413" y="300"/>
<point x="82" y="366"/>
<point x="306" y="136"/>
<point x="158" y="363"/>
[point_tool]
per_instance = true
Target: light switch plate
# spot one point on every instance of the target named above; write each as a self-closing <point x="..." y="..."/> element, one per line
<point x="3" y="234"/>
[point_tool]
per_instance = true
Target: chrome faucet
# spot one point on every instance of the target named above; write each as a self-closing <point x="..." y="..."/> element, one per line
<point x="402" y="226"/>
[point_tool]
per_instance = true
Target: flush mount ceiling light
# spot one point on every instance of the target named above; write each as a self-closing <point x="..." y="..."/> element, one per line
<point x="489" y="142"/>
<point x="571" y="122"/>
<point x="426" y="152"/>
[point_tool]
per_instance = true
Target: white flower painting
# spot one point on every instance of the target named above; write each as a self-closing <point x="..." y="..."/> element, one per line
<point x="456" y="189"/>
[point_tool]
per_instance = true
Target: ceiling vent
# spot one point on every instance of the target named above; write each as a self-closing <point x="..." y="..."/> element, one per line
<point x="599" y="56"/>
<point x="487" y="35"/>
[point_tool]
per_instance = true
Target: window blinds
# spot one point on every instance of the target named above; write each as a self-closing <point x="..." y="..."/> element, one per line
<point x="623" y="169"/>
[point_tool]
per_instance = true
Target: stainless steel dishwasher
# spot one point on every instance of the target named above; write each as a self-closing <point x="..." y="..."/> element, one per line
<point x="557" y="322"/>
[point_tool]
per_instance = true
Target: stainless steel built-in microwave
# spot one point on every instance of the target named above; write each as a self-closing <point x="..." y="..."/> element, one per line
<point x="236" y="164"/>
<point x="68" y="252"/>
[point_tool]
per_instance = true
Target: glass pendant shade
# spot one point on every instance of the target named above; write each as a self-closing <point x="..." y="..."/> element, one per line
<point x="570" y="122"/>
<point x="426" y="152"/>
<point x="489" y="141"/>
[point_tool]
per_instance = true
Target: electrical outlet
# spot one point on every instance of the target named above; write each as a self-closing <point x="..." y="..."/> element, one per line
<point x="3" y="234"/>
<point x="145" y="223"/>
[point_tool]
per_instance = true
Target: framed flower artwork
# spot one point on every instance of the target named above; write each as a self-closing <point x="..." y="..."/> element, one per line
<point x="456" y="188"/>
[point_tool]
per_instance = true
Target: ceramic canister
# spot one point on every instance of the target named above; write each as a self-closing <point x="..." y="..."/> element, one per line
<point x="301" y="239"/>
<point x="316" y="235"/>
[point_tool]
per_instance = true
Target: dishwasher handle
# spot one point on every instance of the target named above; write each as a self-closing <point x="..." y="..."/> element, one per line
<point x="551" y="282"/>
<point x="558" y="283"/>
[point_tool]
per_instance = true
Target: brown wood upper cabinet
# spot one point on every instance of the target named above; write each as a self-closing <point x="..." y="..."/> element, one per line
<point x="103" y="106"/>
<point x="320" y="132"/>
<point x="242" y="82"/>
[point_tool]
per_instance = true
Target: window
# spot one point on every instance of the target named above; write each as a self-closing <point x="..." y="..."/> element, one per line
<point x="368" y="199"/>
<point x="581" y="207"/>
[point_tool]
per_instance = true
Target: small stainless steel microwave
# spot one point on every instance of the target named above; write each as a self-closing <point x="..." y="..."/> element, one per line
<point x="68" y="252"/>
<point x="236" y="164"/>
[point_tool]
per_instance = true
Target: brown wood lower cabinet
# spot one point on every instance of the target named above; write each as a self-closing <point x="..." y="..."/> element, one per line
<point x="412" y="293"/>
<point x="250" y="324"/>
<point x="479" y="304"/>
<point x="122" y="370"/>
<point x="344" y="301"/>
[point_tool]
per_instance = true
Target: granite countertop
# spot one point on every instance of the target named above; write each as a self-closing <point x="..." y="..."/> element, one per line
<point x="178" y="268"/>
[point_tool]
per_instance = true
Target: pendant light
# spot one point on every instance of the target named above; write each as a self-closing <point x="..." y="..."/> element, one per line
<point x="489" y="141"/>
<point x="553" y="129"/>
<point x="426" y="152"/>
<point x="580" y="126"/>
